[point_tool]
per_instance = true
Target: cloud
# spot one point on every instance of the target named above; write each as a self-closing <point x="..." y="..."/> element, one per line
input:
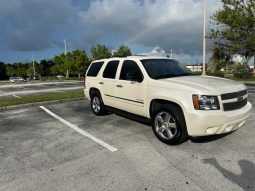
<point x="36" y="25"/>
<point x="28" y="25"/>
<point x="175" y="24"/>
<point x="182" y="57"/>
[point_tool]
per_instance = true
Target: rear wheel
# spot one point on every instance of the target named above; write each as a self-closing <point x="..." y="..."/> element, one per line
<point x="97" y="104"/>
<point x="168" y="124"/>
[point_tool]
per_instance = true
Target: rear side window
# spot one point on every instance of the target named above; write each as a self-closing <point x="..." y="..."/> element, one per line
<point x="111" y="69"/>
<point x="94" y="69"/>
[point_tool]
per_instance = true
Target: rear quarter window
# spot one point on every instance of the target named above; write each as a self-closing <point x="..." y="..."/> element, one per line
<point x="94" y="69"/>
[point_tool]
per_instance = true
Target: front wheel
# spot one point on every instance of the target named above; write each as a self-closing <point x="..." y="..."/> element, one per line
<point x="168" y="124"/>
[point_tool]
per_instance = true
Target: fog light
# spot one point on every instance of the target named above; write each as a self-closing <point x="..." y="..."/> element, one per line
<point x="241" y="124"/>
<point x="229" y="128"/>
<point x="211" y="130"/>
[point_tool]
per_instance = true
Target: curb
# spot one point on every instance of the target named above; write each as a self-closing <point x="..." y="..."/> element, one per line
<point x="249" y="83"/>
<point x="30" y="105"/>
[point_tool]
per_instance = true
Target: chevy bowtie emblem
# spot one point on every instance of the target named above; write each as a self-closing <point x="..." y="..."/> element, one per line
<point x="240" y="99"/>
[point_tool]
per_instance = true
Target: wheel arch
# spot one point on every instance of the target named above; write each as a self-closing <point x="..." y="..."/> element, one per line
<point x="163" y="101"/>
<point x="92" y="91"/>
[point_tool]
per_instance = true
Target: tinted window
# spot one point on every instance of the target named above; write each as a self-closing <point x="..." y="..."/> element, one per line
<point x="94" y="68"/>
<point x="130" y="66"/>
<point x="164" y="68"/>
<point x="111" y="69"/>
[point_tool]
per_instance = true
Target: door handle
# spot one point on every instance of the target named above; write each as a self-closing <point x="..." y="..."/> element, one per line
<point x="119" y="86"/>
<point x="101" y="82"/>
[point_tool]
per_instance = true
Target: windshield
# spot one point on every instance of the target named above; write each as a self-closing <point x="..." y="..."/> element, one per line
<point x="164" y="68"/>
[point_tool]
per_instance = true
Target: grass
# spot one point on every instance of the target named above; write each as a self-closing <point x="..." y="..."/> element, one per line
<point x="41" y="98"/>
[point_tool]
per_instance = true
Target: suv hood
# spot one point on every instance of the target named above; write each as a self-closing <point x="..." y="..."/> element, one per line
<point x="205" y="84"/>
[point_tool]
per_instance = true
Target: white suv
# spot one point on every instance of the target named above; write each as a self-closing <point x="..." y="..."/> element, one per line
<point x="178" y="103"/>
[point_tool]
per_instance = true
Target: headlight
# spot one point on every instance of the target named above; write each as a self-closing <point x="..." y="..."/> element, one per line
<point x="205" y="102"/>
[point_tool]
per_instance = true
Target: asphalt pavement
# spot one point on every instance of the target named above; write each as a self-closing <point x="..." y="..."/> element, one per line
<point x="38" y="88"/>
<point x="57" y="150"/>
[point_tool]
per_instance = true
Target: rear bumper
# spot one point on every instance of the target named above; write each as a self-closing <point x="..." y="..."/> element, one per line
<point x="202" y="123"/>
<point x="86" y="93"/>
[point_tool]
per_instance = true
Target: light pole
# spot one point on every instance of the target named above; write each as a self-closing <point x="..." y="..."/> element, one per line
<point x="33" y="65"/>
<point x="204" y="39"/>
<point x="67" y="73"/>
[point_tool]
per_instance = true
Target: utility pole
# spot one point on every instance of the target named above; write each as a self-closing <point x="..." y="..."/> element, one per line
<point x="204" y="40"/>
<point x="67" y="72"/>
<point x="33" y="64"/>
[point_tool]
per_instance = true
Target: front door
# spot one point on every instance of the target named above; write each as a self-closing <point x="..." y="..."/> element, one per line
<point x="130" y="88"/>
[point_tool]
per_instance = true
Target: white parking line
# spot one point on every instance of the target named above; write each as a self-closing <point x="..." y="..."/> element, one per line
<point x="100" y="142"/>
<point x="16" y="96"/>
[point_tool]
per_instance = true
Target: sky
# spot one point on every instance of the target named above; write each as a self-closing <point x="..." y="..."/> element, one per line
<point x="38" y="27"/>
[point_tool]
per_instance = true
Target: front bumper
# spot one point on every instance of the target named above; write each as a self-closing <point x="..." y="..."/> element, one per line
<point x="202" y="123"/>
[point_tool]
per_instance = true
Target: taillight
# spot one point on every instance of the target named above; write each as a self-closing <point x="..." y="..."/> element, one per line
<point x="85" y="82"/>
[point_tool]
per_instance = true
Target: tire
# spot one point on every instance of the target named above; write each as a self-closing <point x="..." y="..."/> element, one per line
<point x="97" y="104"/>
<point x="168" y="123"/>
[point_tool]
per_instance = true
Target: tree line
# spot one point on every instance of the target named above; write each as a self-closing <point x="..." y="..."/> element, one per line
<point x="74" y="63"/>
<point x="232" y="30"/>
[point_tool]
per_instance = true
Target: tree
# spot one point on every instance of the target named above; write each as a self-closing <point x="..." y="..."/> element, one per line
<point x="235" y="27"/>
<point x="59" y="64"/>
<point x="3" y="75"/>
<point x="46" y="67"/>
<point x="11" y="70"/>
<point x="75" y="62"/>
<point x="220" y="58"/>
<point x="78" y="62"/>
<point x="122" y="51"/>
<point x="100" y="51"/>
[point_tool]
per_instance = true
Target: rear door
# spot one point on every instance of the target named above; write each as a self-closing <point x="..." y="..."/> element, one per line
<point x="107" y="82"/>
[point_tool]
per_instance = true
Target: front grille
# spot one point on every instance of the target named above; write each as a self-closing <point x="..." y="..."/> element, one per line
<point x="233" y="95"/>
<point x="234" y="105"/>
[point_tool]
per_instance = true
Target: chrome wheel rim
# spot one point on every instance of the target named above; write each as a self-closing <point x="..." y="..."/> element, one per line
<point x="165" y="125"/>
<point x="96" y="106"/>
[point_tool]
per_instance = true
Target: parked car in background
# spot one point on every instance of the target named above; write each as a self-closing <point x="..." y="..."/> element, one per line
<point x="60" y="76"/>
<point x="17" y="79"/>
<point x="13" y="79"/>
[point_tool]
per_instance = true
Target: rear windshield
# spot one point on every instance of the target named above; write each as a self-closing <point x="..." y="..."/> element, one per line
<point x="164" y="68"/>
<point x="94" y="69"/>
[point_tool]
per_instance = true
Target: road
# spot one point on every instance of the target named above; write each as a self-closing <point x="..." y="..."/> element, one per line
<point x="41" y="151"/>
<point x="38" y="88"/>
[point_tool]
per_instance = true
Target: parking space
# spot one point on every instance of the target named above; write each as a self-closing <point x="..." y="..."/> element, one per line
<point x="38" y="88"/>
<point x="40" y="152"/>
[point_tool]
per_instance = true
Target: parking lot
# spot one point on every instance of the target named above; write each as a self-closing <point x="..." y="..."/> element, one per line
<point x="20" y="90"/>
<point x="53" y="150"/>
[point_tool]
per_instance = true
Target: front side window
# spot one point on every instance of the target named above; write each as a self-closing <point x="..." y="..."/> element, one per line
<point x="130" y="71"/>
<point x="111" y="69"/>
<point x="94" y="69"/>
<point x="164" y="68"/>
